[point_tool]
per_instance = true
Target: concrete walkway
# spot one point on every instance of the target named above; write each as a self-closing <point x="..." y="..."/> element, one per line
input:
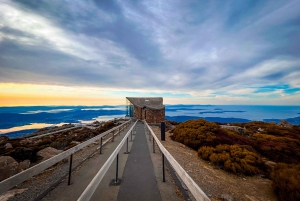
<point x="83" y="176"/>
<point x="139" y="182"/>
<point x="140" y="172"/>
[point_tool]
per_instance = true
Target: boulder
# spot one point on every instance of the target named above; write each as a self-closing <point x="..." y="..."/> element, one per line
<point x="23" y="153"/>
<point x="48" y="153"/>
<point x="8" y="167"/>
<point x="23" y="165"/>
<point x="26" y="141"/>
<point x="270" y="165"/>
<point x="3" y="139"/>
<point x="8" y="146"/>
<point x="75" y="142"/>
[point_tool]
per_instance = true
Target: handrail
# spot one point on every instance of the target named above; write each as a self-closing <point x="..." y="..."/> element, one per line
<point x="90" y="189"/>
<point x="22" y="176"/>
<point x="62" y="130"/>
<point x="54" y="132"/>
<point x="196" y="191"/>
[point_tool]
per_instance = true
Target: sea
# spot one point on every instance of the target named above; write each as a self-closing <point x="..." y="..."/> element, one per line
<point x="21" y="121"/>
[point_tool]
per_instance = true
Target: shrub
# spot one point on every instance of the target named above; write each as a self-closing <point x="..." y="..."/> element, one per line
<point x="277" y="148"/>
<point x="196" y="133"/>
<point x="233" y="158"/>
<point x="286" y="181"/>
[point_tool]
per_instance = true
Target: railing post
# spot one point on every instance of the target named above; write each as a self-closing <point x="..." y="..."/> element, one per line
<point x="101" y="145"/>
<point x="70" y="169"/>
<point x="117" y="167"/>
<point x="131" y="136"/>
<point x="163" y="165"/>
<point x="126" y="146"/>
<point x="162" y="127"/>
<point x="153" y="145"/>
<point x="113" y="137"/>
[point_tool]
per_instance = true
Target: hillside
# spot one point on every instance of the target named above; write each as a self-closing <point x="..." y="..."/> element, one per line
<point x="253" y="148"/>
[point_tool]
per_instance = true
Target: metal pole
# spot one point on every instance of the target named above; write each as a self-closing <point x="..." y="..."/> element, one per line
<point x="127" y="145"/>
<point x="163" y="164"/>
<point x="163" y="134"/>
<point x="131" y="136"/>
<point x="70" y="169"/>
<point x="153" y="145"/>
<point x="101" y="145"/>
<point x="117" y="181"/>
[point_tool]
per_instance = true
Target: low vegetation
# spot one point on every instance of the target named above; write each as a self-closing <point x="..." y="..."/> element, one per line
<point x="286" y="181"/>
<point x="233" y="158"/>
<point x="249" y="152"/>
<point x="26" y="148"/>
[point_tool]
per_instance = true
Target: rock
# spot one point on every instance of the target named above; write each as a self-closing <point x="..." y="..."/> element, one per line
<point x="48" y="153"/>
<point x="181" y="145"/>
<point x="75" y="142"/>
<point x="8" y="167"/>
<point x="23" y="153"/>
<point x="270" y="166"/>
<point x="26" y="141"/>
<point x="3" y="139"/>
<point x="37" y="141"/>
<point x="284" y="123"/>
<point x="8" y="146"/>
<point x="244" y="179"/>
<point x="23" y="165"/>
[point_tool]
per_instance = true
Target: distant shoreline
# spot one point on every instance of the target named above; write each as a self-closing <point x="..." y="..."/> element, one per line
<point x="294" y="121"/>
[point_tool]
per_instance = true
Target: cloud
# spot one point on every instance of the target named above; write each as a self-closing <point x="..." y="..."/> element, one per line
<point x="189" y="48"/>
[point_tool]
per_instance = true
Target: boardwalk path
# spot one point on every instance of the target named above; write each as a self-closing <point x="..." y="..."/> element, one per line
<point x="139" y="182"/>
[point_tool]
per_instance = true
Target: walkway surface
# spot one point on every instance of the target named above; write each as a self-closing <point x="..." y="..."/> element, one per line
<point x="139" y="182"/>
<point x="84" y="175"/>
<point x="140" y="172"/>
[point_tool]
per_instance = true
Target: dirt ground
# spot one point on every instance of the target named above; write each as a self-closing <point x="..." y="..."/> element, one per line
<point x="216" y="183"/>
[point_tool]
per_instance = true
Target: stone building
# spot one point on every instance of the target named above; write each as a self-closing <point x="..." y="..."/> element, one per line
<point x="150" y="109"/>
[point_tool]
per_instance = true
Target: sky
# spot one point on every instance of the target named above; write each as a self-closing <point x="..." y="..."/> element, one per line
<point x="95" y="52"/>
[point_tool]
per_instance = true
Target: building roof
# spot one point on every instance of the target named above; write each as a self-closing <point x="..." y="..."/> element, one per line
<point x="155" y="103"/>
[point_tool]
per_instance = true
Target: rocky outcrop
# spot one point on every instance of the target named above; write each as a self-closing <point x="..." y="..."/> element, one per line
<point x="48" y="153"/>
<point x="270" y="166"/>
<point x="8" y="167"/>
<point x="234" y="128"/>
<point x="23" y="165"/>
<point x="8" y="146"/>
<point x="3" y="139"/>
<point x="284" y="123"/>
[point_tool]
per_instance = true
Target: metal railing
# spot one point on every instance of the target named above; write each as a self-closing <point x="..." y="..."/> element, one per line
<point x="90" y="189"/>
<point x="196" y="191"/>
<point x="27" y="174"/>
<point x="54" y="132"/>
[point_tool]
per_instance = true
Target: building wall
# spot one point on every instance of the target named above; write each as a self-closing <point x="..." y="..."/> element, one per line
<point x="155" y="116"/>
<point x="151" y="116"/>
<point x="137" y="112"/>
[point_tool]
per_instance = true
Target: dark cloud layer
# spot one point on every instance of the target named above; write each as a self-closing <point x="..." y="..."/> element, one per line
<point x="199" y="47"/>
